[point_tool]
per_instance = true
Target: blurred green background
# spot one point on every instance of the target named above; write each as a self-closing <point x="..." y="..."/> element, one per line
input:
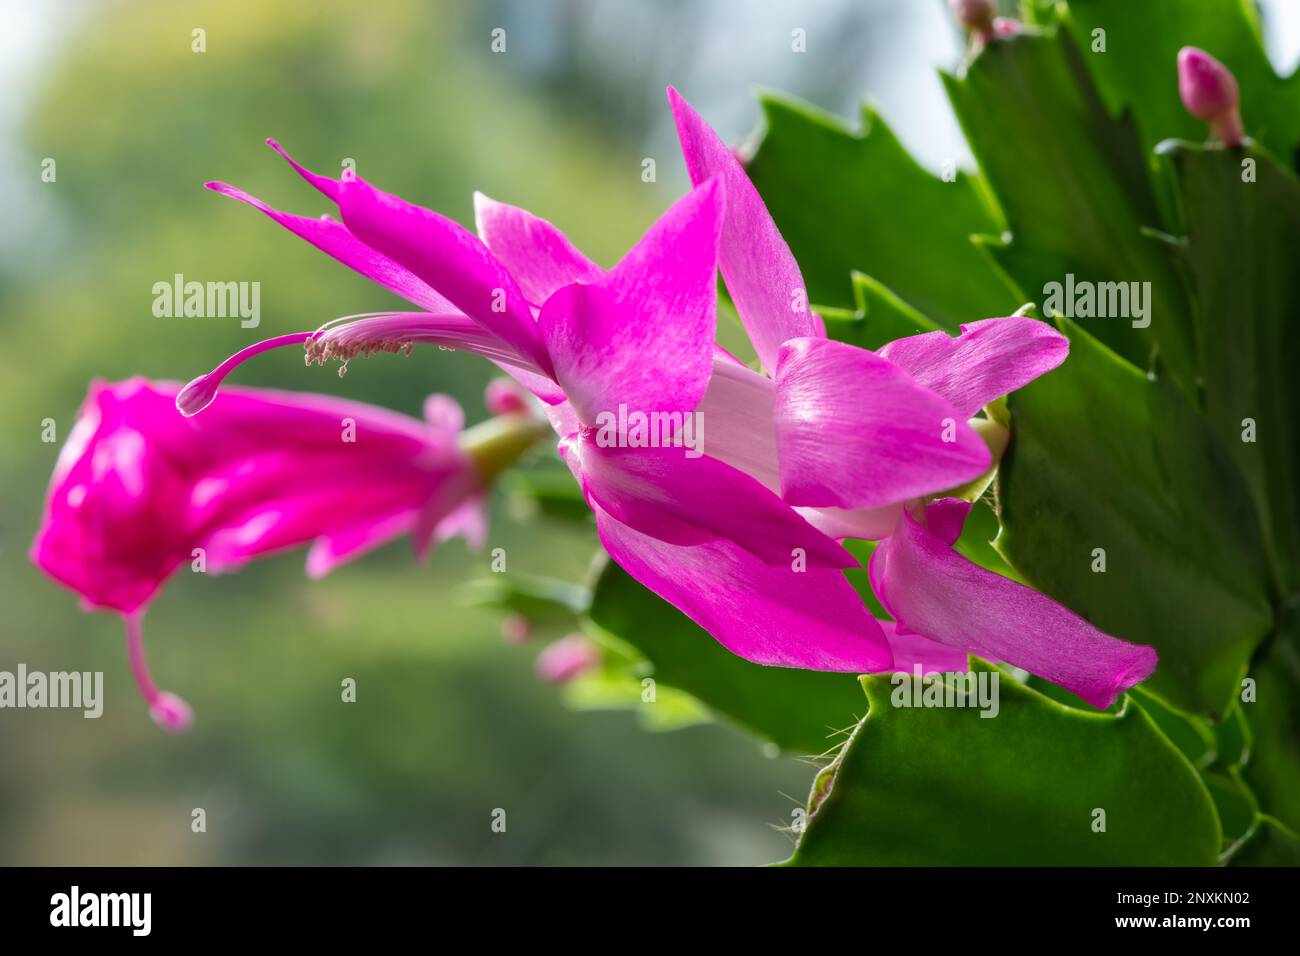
<point x="450" y="722"/>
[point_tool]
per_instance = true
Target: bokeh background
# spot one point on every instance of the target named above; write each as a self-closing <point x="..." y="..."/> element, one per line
<point x="450" y="721"/>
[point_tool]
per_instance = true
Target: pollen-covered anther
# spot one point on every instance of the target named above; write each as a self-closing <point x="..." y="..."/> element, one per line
<point x="326" y="349"/>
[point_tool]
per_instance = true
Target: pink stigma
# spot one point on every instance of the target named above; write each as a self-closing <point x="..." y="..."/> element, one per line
<point x="167" y="710"/>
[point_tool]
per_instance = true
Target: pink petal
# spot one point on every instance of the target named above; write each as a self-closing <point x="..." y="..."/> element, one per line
<point x="933" y="591"/>
<point x="911" y="650"/>
<point x="761" y="274"/>
<point x="444" y="416"/>
<point x="333" y="238"/>
<point x="738" y="410"/>
<point x="538" y="255"/>
<point x="449" y="258"/>
<point x="688" y="501"/>
<point x="855" y="431"/>
<point x="469" y="521"/>
<point x="991" y="358"/>
<point x="339" y="547"/>
<point x="765" y="613"/>
<point x="327" y="186"/>
<point x="643" y="335"/>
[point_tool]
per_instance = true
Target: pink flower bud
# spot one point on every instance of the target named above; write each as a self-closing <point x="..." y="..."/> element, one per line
<point x="504" y="397"/>
<point x="1209" y="91"/>
<point x="568" y="657"/>
<point x="516" y="629"/>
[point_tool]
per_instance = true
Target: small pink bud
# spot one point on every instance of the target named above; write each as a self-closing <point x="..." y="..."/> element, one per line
<point x="516" y="629"/>
<point x="1004" y="27"/>
<point x="504" y="397"/>
<point x="1209" y="91"/>
<point x="568" y="657"/>
<point x="975" y="15"/>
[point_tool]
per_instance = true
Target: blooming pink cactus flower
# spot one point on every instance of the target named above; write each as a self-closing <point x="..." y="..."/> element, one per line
<point x="589" y="342"/>
<point x="832" y="442"/>
<point x="852" y="444"/>
<point x="1209" y="91"/>
<point x="139" y="490"/>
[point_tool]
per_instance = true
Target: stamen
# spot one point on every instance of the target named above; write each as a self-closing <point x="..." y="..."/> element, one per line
<point x="167" y="710"/>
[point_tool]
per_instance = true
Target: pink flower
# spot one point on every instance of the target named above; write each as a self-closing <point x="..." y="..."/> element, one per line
<point x="834" y="442"/>
<point x="589" y="342"/>
<point x="1209" y="91"/>
<point x="139" y="491"/>
<point x="858" y="443"/>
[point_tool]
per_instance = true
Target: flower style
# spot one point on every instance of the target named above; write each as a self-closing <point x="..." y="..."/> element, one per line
<point x="139" y="490"/>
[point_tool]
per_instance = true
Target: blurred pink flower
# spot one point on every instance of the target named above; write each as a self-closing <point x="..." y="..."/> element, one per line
<point x="139" y="490"/>
<point x="567" y="658"/>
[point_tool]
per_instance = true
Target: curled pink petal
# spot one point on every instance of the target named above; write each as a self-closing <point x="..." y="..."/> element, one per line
<point x="933" y="591"/>
<point x="450" y="259"/>
<point x="989" y="359"/>
<point x="327" y="186"/>
<point x="333" y="238"/>
<point x="760" y="271"/>
<point x="856" y="431"/>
